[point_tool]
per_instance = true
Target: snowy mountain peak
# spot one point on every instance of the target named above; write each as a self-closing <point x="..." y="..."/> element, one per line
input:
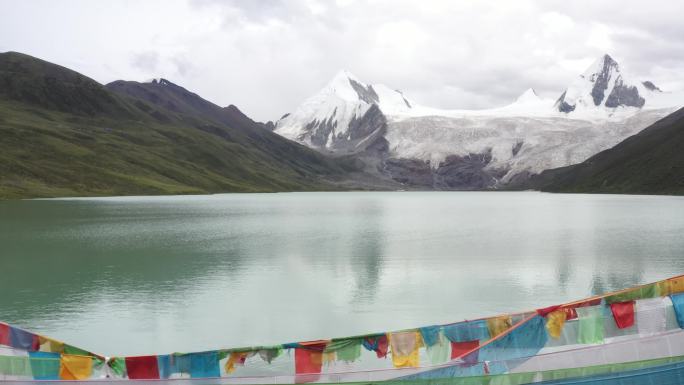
<point x="603" y="65"/>
<point x="348" y="87"/>
<point x="345" y="111"/>
<point x="529" y="96"/>
<point x="342" y="77"/>
<point x="602" y="86"/>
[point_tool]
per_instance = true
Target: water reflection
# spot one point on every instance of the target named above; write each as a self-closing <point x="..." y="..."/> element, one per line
<point x="141" y="275"/>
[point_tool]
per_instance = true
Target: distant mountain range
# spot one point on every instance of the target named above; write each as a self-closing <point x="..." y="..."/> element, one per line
<point x="430" y="148"/>
<point x="64" y="134"/>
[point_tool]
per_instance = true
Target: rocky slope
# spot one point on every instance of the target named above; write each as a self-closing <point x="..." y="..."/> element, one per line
<point x="650" y="162"/>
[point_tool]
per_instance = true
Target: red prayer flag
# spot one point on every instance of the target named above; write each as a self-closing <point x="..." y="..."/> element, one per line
<point x="383" y="345"/>
<point x="545" y="311"/>
<point x="309" y="360"/>
<point x="623" y="313"/>
<point x="458" y="349"/>
<point x="570" y="313"/>
<point x="142" y="368"/>
<point x="4" y="334"/>
<point x="378" y="344"/>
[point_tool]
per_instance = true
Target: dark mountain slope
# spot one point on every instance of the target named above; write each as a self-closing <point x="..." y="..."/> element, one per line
<point x="172" y="97"/>
<point x="63" y="134"/>
<point x="226" y="122"/>
<point x="162" y="93"/>
<point x="650" y="162"/>
<point x="39" y="83"/>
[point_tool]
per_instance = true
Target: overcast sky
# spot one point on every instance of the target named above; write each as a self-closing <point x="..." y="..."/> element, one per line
<point x="267" y="56"/>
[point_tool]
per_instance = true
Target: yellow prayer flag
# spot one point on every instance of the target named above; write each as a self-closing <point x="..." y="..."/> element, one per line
<point x="405" y="348"/>
<point x="555" y="321"/>
<point x="664" y="288"/>
<point x="498" y="325"/>
<point x="235" y="358"/>
<point x="74" y="367"/>
<point x="50" y="345"/>
<point x="676" y="285"/>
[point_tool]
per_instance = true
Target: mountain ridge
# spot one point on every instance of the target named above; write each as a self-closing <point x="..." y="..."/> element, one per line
<point x="63" y="144"/>
<point x="649" y="162"/>
<point x="31" y="80"/>
<point x="424" y="147"/>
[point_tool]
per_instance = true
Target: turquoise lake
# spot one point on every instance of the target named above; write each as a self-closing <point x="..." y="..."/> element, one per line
<point x="144" y="275"/>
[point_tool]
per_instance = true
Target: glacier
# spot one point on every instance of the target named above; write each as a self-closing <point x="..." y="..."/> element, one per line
<point x="423" y="147"/>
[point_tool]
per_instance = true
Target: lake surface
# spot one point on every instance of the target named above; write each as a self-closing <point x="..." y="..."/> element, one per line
<point x="142" y="275"/>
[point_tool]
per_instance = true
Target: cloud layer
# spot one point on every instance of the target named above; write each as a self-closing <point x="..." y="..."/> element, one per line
<point x="266" y="56"/>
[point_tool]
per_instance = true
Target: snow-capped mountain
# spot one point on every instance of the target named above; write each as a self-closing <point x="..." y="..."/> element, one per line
<point x="603" y="86"/>
<point x="474" y="149"/>
<point x="344" y="113"/>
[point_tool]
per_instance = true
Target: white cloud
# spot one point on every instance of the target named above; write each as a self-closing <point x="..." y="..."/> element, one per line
<point x="266" y="56"/>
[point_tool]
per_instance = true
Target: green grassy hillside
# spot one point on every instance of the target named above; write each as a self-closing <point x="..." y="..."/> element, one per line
<point x="63" y="134"/>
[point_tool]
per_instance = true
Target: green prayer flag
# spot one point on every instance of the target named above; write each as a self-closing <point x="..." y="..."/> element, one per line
<point x="438" y="353"/>
<point x="118" y="365"/>
<point x="590" y="325"/>
<point x="643" y="292"/>
<point x="68" y="349"/>
<point x="15" y="366"/>
<point x="97" y="363"/>
<point x="349" y="352"/>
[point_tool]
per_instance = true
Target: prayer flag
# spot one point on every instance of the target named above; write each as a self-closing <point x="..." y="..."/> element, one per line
<point x="377" y="344"/>
<point x="44" y="365"/>
<point x="309" y="360"/>
<point x="651" y="315"/>
<point x="204" y="365"/>
<point x="555" y="321"/>
<point x="50" y="345"/>
<point x="590" y="325"/>
<point x="142" y="367"/>
<point x="458" y="349"/>
<point x="676" y="285"/>
<point x="21" y="339"/>
<point x="236" y="358"/>
<point x="349" y="352"/>
<point x="678" y="303"/>
<point x="438" y="352"/>
<point x="74" y="367"/>
<point x="118" y="366"/>
<point x="4" y="334"/>
<point x="430" y="334"/>
<point x="498" y="325"/>
<point x="623" y="314"/>
<point x="467" y="331"/>
<point x="405" y="347"/>
<point x="269" y="355"/>
<point x="642" y="292"/>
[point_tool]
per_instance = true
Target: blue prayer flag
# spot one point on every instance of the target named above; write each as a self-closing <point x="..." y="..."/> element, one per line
<point x="467" y="331"/>
<point x="44" y="365"/>
<point x="204" y="365"/>
<point x="678" y="303"/>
